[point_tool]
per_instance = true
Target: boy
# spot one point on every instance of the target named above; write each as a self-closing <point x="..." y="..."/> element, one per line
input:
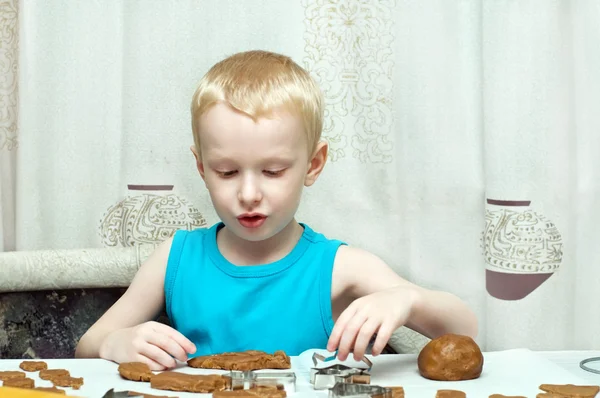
<point x="259" y="279"/>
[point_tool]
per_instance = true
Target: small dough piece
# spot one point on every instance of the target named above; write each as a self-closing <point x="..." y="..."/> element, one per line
<point x="257" y="392"/>
<point x="33" y="366"/>
<point x="397" y="392"/>
<point x="135" y="371"/>
<point x="68" y="381"/>
<point x="11" y="374"/>
<point x="19" y="382"/>
<point x="450" y="394"/>
<point x="571" y="390"/>
<point x="49" y="374"/>
<point x="177" y="381"/>
<point x="360" y="379"/>
<point x="550" y="395"/>
<point x="506" y="396"/>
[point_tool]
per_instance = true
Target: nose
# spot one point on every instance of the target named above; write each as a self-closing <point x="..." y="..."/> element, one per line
<point x="249" y="192"/>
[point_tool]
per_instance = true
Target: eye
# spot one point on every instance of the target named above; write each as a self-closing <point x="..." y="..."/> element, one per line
<point x="274" y="173"/>
<point x="225" y="174"/>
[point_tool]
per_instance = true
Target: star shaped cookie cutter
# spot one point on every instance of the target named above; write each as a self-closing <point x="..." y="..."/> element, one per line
<point x="323" y="378"/>
<point x="346" y="390"/>
<point x="317" y="356"/>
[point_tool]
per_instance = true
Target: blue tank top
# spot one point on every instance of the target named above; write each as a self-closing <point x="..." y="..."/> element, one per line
<point x="221" y="307"/>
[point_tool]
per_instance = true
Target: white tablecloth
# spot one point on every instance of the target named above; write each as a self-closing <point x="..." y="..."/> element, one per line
<point x="509" y="372"/>
<point x="569" y="360"/>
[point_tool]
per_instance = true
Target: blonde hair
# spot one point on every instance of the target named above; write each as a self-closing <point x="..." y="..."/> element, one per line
<point x="257" y="83"/>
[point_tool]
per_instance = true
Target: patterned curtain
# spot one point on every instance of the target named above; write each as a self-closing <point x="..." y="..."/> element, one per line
<point x="9" y="69"/>
<point x="464" y="139"/>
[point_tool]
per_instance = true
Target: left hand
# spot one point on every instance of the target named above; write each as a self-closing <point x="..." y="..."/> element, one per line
<point x="378" y="313"/>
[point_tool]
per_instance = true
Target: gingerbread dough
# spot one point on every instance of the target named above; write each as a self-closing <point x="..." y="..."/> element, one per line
<point x="136" y="371"/>
<point x="451" y="357"/>
<point x="505" y="396"/>
<point x="19" y="382"/>
<point x="176" y="381"/>
<point x="450" y="394"/>
<point x="11" y="374"/>
<point x="550" y="395"/>
<point x="49" y="374"/>
<point x="258" y="392"/>
<point x="33" y="366"/>
<point x="67" y="381"/>
<point x="247" y="360"/>
<point x="569" y="390"/>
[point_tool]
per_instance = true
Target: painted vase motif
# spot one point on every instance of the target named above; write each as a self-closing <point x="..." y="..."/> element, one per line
<point x="148" y="215"/>
<point x="522" y="249"/>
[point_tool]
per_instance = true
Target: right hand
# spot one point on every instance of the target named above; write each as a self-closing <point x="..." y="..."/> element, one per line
<point x="152" y="343"/>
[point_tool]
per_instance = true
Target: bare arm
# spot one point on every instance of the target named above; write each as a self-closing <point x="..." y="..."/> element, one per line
<point x="358" y="273"/>
<point x="141" y="302"/>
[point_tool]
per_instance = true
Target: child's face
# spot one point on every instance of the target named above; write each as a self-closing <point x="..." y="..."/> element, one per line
<point x="254" y="171"/>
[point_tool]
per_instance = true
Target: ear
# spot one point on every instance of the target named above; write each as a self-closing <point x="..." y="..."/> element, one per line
<point x="199" y="164"/>
<point x="317" y="162"/>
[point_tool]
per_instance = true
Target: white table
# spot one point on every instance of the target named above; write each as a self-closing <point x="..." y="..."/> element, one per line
<point x="507" y="372"/>
<point x="569" y="360"/>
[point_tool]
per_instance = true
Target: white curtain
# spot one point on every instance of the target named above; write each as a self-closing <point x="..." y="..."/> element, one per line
<point x="9" y="40"/>
<point x="465" y="138"/>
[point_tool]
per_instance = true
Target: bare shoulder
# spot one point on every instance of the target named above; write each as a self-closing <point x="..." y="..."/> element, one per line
<point x="150" y="277"/>
<point x="159" y="257"/>
<point x="358" y="272"/>
<point x="151" y="273"/>
<point x="352" y="256"/>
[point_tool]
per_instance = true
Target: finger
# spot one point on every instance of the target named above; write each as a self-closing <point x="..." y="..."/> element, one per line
<point x="156" y="354"/>
<point x="338" y="328"/>
<point x="153" y="365"/>
<point x="368" y="329"/>
<point x="383" y="336"/>
<point x="349" y="336"/>
<point x="179" y="338"/>
<point x="167" y="344"/>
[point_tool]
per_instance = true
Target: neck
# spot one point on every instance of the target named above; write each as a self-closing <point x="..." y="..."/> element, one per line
<point x="243" y="252"/>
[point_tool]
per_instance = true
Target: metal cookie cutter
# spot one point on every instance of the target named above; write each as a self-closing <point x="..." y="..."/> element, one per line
<point x="281" y="380"/>
<point x="323" y="378"/>
<point x="359" y="391"/>
<point x="583" y="364"/>
<point x="250" y="379"/>
<point x="238" y="380"/>
<point x="320" y="357"/>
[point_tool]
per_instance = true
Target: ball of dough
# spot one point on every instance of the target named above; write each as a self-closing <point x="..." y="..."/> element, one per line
<point x="451" y="357"/>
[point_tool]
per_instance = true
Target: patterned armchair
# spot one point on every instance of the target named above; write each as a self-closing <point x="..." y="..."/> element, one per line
<point x="49" y="323"/>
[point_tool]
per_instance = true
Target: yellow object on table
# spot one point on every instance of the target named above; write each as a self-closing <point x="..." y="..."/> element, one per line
<point x="10" y="392"/>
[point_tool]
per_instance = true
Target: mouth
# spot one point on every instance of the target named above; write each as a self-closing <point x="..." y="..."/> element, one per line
<point x="252" y="220"/>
